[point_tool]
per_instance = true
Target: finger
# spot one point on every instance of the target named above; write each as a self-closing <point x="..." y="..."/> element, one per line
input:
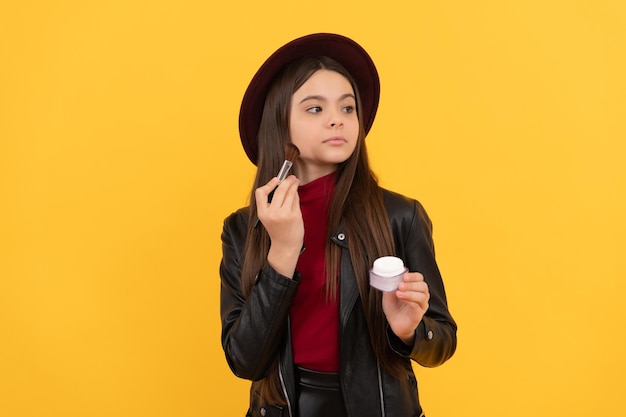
<point x="281" y="193"/>
<point x="261" y="194"/>
<point x="419" y="298"/>
<point x="413" y="276"/>
<point x="419" y="286"/>
<point x="292" y="198"/>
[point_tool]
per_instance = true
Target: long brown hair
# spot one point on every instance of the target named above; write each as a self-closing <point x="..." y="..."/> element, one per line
<point x="357" y="206"/>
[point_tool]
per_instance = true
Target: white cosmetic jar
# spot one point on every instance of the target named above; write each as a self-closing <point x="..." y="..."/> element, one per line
<point x="387" y="273"/>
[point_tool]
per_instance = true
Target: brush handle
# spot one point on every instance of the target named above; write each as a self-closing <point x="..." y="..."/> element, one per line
<point x="282" y="174"/>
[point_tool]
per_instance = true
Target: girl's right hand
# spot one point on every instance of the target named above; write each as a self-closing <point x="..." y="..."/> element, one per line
<point x="282" y="219"/>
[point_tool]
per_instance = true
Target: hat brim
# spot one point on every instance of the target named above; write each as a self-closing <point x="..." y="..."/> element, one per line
<point x="340" y="48"/>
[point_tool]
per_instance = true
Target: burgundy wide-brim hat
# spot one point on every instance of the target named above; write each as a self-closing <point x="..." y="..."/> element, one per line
<point x="343" y="50"/>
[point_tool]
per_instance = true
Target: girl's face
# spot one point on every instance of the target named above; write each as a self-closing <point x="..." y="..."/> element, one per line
<point x="323" y="124"/>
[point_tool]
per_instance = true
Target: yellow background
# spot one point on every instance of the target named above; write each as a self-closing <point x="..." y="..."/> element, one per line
<point x="120" y="157"/>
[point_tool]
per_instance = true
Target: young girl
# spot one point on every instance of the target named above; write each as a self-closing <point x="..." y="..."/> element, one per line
<point x="299" y="317"/>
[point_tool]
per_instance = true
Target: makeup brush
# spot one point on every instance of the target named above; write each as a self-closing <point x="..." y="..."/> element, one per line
<point x="291" y="155"/>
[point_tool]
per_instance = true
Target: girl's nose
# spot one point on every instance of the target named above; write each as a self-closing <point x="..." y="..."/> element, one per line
<point x="335" y="121"/>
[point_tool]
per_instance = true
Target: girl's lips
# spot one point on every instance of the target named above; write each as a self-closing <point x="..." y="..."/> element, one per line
<point x="336" y="140"/>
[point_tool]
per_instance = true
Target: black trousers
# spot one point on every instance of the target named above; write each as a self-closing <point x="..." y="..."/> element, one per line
<point x="319" y="394"/>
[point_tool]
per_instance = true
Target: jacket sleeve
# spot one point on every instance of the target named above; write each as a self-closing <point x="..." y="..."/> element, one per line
<point x="252" y="328"/>
<point x="435" y="337"/>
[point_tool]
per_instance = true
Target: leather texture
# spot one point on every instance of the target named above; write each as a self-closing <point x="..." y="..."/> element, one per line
<point x="255" y="330"/>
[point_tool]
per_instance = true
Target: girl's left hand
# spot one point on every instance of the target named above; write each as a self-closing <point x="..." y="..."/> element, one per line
<point x="405" y="307"/>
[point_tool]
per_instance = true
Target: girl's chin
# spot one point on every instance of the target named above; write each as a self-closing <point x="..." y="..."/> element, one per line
<point x="333" y="159"/>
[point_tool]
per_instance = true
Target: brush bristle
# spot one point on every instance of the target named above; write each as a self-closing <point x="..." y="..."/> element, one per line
<point x="291" y="152"/>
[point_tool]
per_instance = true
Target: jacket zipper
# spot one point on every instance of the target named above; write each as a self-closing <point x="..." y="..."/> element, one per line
<point x="380" y="390"/>
<point x="282" y="385"/>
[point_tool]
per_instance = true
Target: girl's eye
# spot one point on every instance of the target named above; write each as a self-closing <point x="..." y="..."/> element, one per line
<point x="314" y="109"/>
<point x="348" y="109"/>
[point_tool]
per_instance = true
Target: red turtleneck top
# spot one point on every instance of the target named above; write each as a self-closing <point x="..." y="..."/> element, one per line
<point x="315" y="318"/>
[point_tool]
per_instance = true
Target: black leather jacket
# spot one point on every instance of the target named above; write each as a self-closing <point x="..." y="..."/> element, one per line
<point x="255" y="330"/>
